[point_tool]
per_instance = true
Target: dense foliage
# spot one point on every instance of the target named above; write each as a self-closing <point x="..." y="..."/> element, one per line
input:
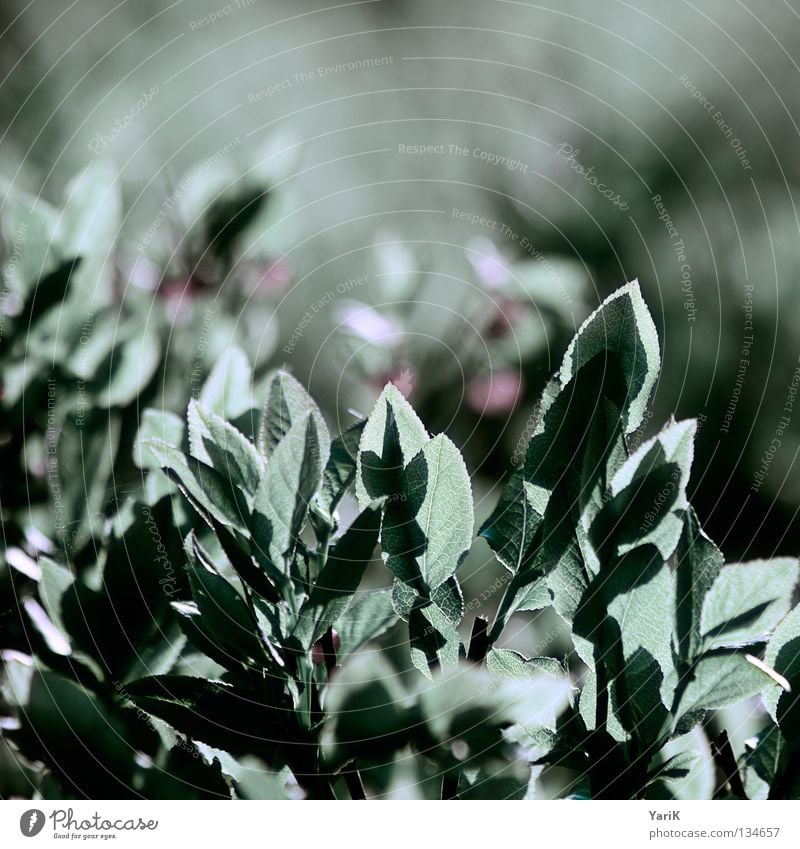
<point x="225" y="635"/>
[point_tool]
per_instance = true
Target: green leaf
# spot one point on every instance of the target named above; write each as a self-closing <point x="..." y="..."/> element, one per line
<point x="28" y="225"/>
<point x="259" y="574"/>
<point x="194" y="628"/>
<point x="57" y="718"/>
<point x="340" y="576"/>
<point x="623" y="326"/>
<point x="221" y="446"/>
<point x="340" y="470"/>
<point x="213" y="712"/>
<point x="576" y="445"/>
<point x="156" y="424"/>
<point x="367" y="618"/>
<point x="720" y="680"/>
<point x="225" y="615"/>
<point x="783" y="655"/>
<point x="404" y="597"/>
<point x="747" y="601"/>
<point x="292" y="478"/>
<point x="411" y="435"/>
<point x="433" y="638"/>
<point x="55" y="581"/>
<point x="445" y="517"/>
<point x="131" y="368"/>
<point x="85" y="465"/>
<point x="228" y="390"/>
<point x="511" y="664"/>
<point x="690" y="751"/>
<point x="697" y="563"/>
<point x="449" y="599"/>
<point x="207" y="491"/>
<point x="510" y="528"/>
<point x="287" y="403"/>
<point x="765" y="758"/>
<point x="641" y="597"/>
<point x="527" y="591"/>
<point x="648" y="494"/>
<point x="88" y="227"/>
<point x="626" y="614"/>
<point x="403" y="491"/>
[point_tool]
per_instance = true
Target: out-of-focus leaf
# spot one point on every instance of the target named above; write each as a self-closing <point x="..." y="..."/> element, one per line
<point x="228" y="390"/>
<point x="160" y="425"/>
<point x="367" y="618"/>
<point x="88" y="227"/>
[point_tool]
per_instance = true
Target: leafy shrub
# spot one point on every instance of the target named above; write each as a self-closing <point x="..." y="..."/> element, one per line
<point x="238" y="672"/>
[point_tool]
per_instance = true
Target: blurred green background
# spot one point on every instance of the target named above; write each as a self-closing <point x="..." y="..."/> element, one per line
<point x="326" y="106"/>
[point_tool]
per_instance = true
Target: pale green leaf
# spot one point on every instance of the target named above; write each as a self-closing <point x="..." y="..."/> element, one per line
<point x="434" y="641"/>
<point x="446" y="516"/>
<point x="292" y="478"/>
<point x="287" y="402"/>
<point x="367" y="618"/>
<point x="783" y="655"/>
<point x="220" y="445"/>
<point x="720" y="680"/>
<point x="511" y="664"/>
<point x="88" y="227"/>
<point x="411" y="433"/>
<point x="697" y="563"/>
<point x="228" y="390"/>
<point x="747" y="601"/>
<point x="156" y="424"/>
<point x="206" y="490"/>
